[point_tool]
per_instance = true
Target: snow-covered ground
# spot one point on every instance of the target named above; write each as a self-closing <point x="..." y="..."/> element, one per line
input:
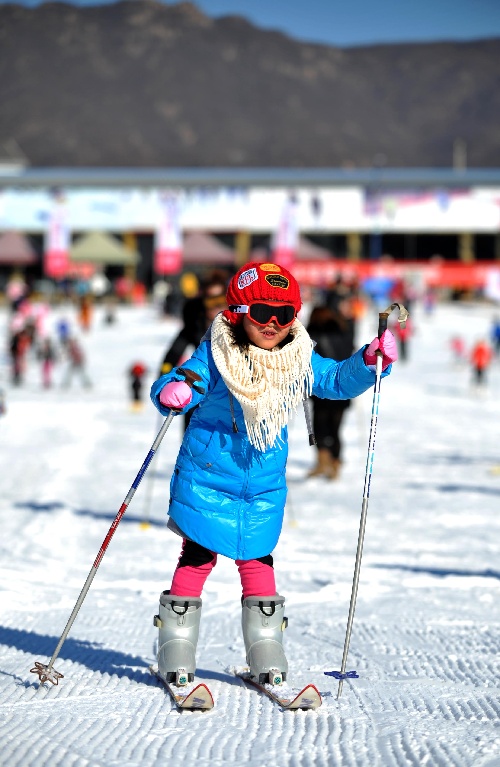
<point x="426" y="634"/>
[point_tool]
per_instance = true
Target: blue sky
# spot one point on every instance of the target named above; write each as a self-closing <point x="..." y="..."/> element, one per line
<point x="360" y="22"/>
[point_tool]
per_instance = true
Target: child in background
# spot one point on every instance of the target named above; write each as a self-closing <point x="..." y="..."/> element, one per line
<point x="136" y="375"/>
<point x="252" y="369"/>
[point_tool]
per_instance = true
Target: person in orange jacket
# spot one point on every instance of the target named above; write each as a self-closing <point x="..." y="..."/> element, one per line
<point x="481" y="357"/>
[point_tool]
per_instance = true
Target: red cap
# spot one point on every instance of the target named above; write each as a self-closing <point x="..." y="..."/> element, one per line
<point x="256" y="282"/>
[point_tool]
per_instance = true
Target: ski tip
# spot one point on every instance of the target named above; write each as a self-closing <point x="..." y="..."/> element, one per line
<point x="308" y="698"/>
<point x="200" y="699"/>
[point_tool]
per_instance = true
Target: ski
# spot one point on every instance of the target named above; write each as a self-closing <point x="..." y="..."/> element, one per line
<point x="195" y="696"/>
<point x="289" y="698"/>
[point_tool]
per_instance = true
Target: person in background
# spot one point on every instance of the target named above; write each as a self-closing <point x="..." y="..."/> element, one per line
<point x="19" y="344"/>
<point x="47" y="356"/>
<point x="63" y="330"/>
<point x="481" y="356"/>
<point x="109" y="310"/>
<point x="16" y="290"/>
<point x="136" y="375"/>
<point x="457" y="344"/>
<point x="76" y="364"/>
<point x="247" y="377"/>
<point x="430" y="301"/>
<point x="333" y="333"/>
<point x="85" y="312"/>
<point x="197" y="314"/>
<point x="403" y="336"/>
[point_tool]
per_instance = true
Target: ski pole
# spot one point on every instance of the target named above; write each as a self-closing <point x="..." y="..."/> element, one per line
<point x="47" y="672"/>
<point x="382" y="326"/>
<point x="190" y="379"/>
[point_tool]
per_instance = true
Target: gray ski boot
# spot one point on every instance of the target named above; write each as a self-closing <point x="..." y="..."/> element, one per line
<point x="263" y="623"/>
<point x="179" y="624"/>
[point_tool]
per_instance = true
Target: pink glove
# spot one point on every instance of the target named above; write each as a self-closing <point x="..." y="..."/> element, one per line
<point x="387" y="345"/>
<point x="176" y="395"/>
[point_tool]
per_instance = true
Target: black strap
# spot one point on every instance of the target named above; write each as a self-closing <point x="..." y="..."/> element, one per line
<point x="231" y="408"/>
<point x="271" y="606"/>
<point x="182" y="610"/>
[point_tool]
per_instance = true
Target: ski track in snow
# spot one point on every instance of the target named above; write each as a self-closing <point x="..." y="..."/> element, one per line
<point x="426" y="633"/>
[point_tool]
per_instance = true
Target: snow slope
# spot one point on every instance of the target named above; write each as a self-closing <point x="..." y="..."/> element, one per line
<point x="426" y="634"/>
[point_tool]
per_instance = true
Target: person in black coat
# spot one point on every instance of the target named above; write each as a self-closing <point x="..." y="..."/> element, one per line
<point x="333" y="333"/>
<point x="197" y="315"/>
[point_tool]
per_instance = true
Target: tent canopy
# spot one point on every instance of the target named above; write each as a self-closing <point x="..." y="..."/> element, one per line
<point x="309" y="251"/>
<point x="16" y="250"/>
<point x="101" y="248"/>
<point x="203" y="248"/>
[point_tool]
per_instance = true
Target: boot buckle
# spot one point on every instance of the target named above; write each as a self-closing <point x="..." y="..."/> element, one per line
<point x="275" y="677"/>
<point x="181" y="677"/>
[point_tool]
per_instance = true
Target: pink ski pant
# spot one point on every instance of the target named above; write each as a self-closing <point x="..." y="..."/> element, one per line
<point x="196" y="563"/>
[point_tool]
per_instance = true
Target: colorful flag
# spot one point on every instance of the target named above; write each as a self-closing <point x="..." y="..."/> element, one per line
<point x="168" y="245"/>
<point x="286" y="238"/>
<point x="56" y="261"/>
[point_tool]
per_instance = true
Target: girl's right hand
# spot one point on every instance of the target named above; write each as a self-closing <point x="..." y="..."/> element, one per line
<point x="176" y="395"/>
<point x="386" y="344"/>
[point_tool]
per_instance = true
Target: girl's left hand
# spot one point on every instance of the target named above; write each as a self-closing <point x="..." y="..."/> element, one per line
<point x="387" y="345"/>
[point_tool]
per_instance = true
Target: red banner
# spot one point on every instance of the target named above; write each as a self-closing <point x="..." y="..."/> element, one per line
<point x="449" y="274"/>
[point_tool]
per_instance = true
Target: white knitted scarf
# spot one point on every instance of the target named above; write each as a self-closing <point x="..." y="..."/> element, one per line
<point x="269" y="385"/>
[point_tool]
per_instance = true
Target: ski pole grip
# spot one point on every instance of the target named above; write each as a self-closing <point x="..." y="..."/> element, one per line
<point x="382" y="323"/>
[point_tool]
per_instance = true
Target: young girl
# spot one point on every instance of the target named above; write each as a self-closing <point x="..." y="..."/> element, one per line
<point x="253" y="368"/>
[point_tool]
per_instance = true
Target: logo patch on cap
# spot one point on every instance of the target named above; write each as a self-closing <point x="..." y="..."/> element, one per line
<point x="277" y="281"/>
<point x="270" y="268"/>
<point x="246" y="278"/>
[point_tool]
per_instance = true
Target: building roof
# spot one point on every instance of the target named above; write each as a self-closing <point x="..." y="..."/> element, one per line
<point x="383" y="178"/>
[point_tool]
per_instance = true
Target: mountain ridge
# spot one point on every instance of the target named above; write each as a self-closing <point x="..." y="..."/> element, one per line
<point x="140" y="84"/>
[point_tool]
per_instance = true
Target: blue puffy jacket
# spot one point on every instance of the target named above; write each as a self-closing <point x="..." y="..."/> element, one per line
<point x="225" y="494"/>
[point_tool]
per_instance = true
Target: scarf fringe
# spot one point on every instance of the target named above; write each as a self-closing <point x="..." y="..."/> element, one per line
<point x="269" y="385"/>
